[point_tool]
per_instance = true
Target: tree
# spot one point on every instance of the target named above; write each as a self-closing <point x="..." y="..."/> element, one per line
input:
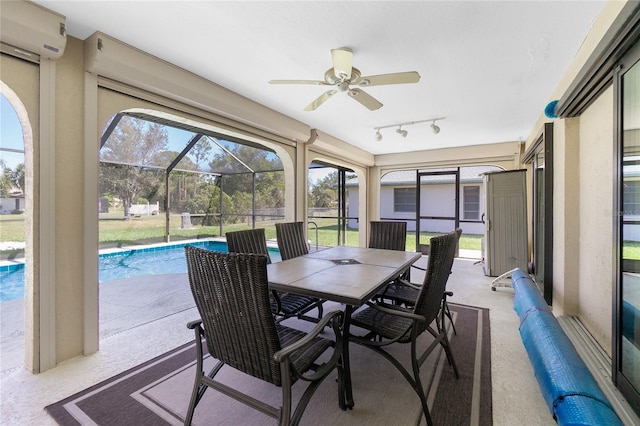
<point x="5" y="179"/>
<point x="238" y="182"/>
<point x="325" y="192"/>
<point x="18" y="177"/>
<point x="199" y="152"/>
<point x="126" y="157"/>
<point x="11" y="178"/>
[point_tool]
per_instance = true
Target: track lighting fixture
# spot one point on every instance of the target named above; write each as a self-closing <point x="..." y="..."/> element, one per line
<point x="402" y="132"/>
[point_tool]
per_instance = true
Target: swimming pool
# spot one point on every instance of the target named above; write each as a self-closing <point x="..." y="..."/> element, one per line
<point x="116" y="265"/>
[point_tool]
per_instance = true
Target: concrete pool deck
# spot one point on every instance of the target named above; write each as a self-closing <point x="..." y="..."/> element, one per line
<point x="124" y="304"/>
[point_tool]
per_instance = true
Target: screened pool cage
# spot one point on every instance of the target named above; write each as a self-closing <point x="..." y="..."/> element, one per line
<point x="162" y="181"/>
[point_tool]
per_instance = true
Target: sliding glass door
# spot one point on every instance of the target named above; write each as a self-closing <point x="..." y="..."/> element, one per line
<point x="627" y="301"/>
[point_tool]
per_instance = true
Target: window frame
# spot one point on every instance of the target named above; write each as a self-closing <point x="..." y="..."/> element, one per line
<point x="466" y="202"/>
<point x="410" y="199"/>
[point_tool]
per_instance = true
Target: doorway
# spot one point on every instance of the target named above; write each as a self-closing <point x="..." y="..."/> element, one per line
<point x="438" y="209"/>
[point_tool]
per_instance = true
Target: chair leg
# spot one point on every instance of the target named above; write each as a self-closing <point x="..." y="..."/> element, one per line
<point x="192" y="404"/>
<point x="447" y="349"/>
<point x="418" y="384"/>
<point x="448" y="314"/>
<point x="198" y="386"/>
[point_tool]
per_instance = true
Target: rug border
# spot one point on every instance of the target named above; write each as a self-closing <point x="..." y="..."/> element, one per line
<point x="59" y="412"/>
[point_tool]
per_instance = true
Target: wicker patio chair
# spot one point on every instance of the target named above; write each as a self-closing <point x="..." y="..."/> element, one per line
<point x="387" y="324"/>
<point x="388" y="235"/>
<point x="232" y="296"/>
<point x="283" y="305"/>
<point x="292" y="243"/>
<point x="404" y="292"/>
<point x="291" y="240"/>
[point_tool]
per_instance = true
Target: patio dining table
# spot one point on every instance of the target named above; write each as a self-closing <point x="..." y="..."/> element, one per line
<point x="347" y="275"/>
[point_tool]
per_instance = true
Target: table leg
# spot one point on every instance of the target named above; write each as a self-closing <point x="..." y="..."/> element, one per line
<point x="346" y="392"/>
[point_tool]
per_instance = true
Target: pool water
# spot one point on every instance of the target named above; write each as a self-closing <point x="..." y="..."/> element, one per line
<point x="165" y="259"/>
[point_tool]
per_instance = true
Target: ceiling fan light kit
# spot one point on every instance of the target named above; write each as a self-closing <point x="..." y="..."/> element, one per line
<point x="343" y="75"/>
<point x="402" y="132"/>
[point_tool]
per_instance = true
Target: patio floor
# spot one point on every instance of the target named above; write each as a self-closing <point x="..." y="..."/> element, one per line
<point x="133" y="314"/>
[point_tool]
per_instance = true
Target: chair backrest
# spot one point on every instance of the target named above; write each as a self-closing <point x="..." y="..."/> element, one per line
<point x="439" y="265"/>
<point x="291" y="240"/>
<point x="388" y="235"/>
<point x="248" y="241"/>
<point x="232" y="296"/>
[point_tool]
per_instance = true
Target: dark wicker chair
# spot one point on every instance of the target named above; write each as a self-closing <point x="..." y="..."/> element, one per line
<point x="387" y="324"/>
<point x="232" y="296"/>
<point x="292" y="243"/>
<point x="404" y="292"/>
<point x="283" y="305"/>
<point x="291" y="240"/>
<point x="388" y="235"/>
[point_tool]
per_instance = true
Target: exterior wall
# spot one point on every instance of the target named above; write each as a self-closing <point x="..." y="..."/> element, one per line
<point x="439" y="197"/>
<point x="9" y="205"/>
<point x="566" y="229"/>
<point x="596" y="218"/>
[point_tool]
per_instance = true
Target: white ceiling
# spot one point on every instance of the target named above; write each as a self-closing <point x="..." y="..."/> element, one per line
<point x="489" y="67"/>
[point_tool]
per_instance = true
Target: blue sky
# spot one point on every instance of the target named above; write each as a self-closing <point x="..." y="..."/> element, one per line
<point x="10" y="134"/>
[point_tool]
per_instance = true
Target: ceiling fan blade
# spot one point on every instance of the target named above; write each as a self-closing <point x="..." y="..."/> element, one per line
<point x="365" y="99"/>
<point x="393" y="78"/>
<point x="342" y="62"/>
<point x="318" y="82"/>
<point x="320" y="100"/>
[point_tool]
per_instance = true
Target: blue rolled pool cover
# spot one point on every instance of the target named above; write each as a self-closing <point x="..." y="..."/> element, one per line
<point x="527" y="296"/>
<point x="570" y="391"/>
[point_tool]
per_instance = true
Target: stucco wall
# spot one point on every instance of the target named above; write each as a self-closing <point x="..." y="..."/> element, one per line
<point x="69" y="185"/>
<point x="566" y="229"/>
<point x="596" y="218"/>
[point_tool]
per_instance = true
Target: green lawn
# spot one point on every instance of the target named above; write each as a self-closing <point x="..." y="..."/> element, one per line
<point x="116" y="231"/>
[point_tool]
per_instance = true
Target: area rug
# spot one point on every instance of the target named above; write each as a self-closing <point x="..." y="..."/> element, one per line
<point x="157" y="392"/>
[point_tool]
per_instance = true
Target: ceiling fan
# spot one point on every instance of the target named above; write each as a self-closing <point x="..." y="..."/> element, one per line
<point x="343" y="75"/>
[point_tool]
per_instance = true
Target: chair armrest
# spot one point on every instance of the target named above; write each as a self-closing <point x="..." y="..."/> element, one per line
<point x="288" y="350"/>
<point x="419" y="267"/>
<point x="395" y="310"/>
<point x="193" y="324"/>
<point x="408" y="284"/>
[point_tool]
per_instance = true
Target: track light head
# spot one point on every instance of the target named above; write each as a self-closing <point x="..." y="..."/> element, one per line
<point x="399" y="130"/>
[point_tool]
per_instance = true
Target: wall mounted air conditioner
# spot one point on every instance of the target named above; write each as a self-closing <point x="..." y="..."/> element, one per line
<point x="32" y="28"/>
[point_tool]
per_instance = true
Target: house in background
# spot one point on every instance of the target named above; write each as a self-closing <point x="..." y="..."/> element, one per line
<point x="398" y="199"/>
<point x="14" y="204"/>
